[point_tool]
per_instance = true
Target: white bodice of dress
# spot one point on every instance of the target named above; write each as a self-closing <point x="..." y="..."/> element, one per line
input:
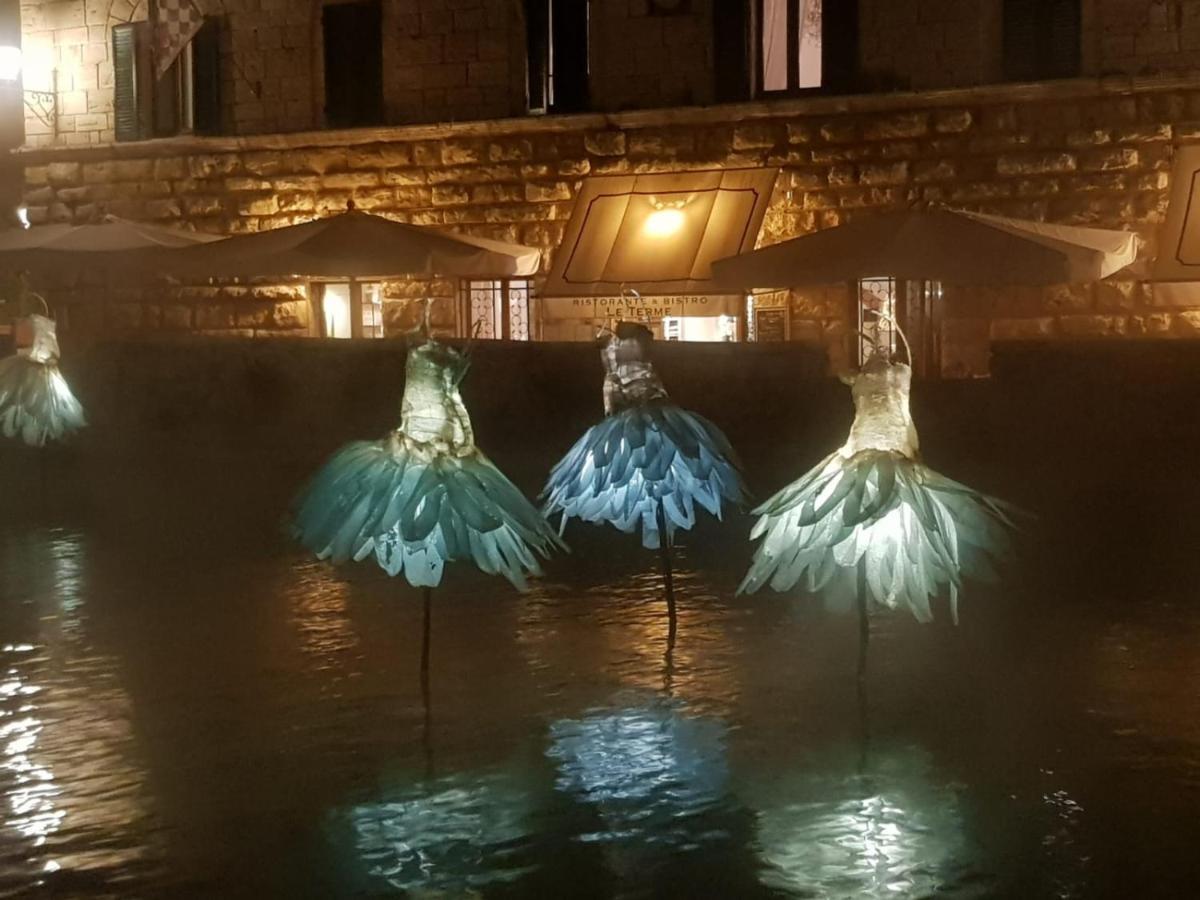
<point x="629" y="376"/>
<point x="432" y="412"/>
<point x="44" y="346"/>
<point x="882" y="420"/>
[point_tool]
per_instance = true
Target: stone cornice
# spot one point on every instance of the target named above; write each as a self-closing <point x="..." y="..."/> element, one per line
<point x="1073" y="89"/>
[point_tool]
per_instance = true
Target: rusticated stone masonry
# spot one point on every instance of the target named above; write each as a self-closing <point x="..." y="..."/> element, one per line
<point x="1082" y="152"/>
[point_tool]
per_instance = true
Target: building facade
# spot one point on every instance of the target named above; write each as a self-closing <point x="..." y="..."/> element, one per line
<point x="488" y="116"/>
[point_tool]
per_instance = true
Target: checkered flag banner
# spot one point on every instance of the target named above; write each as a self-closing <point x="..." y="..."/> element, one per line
<point x="175" y="24"/>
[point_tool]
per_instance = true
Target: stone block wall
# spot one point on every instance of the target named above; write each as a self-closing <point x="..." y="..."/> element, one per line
<point x="454" y="60"/>
<point x="1073" y="152"/>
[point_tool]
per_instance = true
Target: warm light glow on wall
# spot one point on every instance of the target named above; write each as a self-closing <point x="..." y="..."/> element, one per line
<point x="663" y="223"/>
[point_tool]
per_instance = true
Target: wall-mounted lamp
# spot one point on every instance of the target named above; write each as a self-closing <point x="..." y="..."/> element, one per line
<point x="42" y="103"/>
<point x="10" y="63"/>
<point x="667" y="218"/>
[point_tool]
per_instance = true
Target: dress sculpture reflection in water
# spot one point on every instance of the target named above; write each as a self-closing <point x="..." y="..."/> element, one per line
<point x="424" y="495"/>
<point x="872" y="506"/>
<point x="648" y="463"/>
<point x="36" y="405"/>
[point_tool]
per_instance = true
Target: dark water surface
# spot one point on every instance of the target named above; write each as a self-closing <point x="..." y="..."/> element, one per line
<point x="191" y="707"/>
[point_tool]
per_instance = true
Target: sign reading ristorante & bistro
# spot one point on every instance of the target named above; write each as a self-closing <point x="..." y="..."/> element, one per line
<point x="630" y="307"/>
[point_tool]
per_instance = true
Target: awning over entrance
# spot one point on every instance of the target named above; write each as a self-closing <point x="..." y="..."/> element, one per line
<point x="1179" y="244"/>
<point x="658" y="234"/>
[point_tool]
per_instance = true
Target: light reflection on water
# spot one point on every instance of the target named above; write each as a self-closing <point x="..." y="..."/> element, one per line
<point x="889" y="831"/>
<point x="230" y="722"/>
<point x="649" y="770"/>
<point x="32" y="792"/>
<point x="69" y="769"/>
<point x="452" y="834"/>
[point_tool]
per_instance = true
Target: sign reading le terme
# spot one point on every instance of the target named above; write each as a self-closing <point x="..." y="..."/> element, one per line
<point x="641" y="307"/>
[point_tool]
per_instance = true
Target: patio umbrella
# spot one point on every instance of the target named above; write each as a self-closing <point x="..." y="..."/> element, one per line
<point x="954" y="246"/>
<point x="112" y="243"/>
<point x="353" y="245"/>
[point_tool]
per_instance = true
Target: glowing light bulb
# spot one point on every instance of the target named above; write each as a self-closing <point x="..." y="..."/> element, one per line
<point x="663" y="223"/>
<point x="10" y="63"/>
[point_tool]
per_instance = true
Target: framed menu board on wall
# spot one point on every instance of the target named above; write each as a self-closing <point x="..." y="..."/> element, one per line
<point x="770" y="324"/>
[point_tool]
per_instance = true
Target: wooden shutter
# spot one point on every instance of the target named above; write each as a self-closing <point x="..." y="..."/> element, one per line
<point x="206" y="78"/>
<point x="132" y="81"/>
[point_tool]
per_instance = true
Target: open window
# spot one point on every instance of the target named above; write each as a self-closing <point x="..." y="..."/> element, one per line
<point x="353" y="45"/>
<point x="557" y="55"/>
<point x="498" y="309"/>
<point x="185" y="100"/>
<point x="806" y="45"/>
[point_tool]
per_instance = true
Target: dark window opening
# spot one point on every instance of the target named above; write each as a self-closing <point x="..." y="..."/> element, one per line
<point x="353" y="34"/>
<point x="557" y="48"/>
<point x="184" y="100"/>
<point x="1041" y="39"/>
<point x="806" y="45"/>
<point x="731" y="50"/>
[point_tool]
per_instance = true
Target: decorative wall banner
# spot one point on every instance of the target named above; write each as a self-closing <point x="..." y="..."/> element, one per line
<point x="634" y="308"/>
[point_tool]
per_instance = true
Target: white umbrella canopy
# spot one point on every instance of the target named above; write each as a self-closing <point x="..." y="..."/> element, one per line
<point x="352" y="245"/>
<point x="952" y="246"/>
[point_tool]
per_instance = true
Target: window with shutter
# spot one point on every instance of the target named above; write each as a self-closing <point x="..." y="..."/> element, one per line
<point x="186" y="98"/>
<point x="1041" y="39"/>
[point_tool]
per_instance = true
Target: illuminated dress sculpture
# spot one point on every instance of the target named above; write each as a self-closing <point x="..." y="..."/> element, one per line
<point x="874" y="508"/>
<point x="36" y="405"/>
<point x="424" y="495"/>
<point x="648" y="462"/>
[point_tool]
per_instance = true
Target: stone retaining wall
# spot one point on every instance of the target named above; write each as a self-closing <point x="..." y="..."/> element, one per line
<point x="1083" y="152"/>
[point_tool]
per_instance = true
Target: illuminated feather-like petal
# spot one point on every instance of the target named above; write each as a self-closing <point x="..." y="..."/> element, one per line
<point x="916" y="532"/>
<point x="424" y="495"/>
<point x="683" y="460"/>
<point x="36" y="404"/>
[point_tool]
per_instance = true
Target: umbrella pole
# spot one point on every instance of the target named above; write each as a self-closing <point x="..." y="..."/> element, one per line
<point x="864" y="625"/>
<point x="664" y="554"/>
